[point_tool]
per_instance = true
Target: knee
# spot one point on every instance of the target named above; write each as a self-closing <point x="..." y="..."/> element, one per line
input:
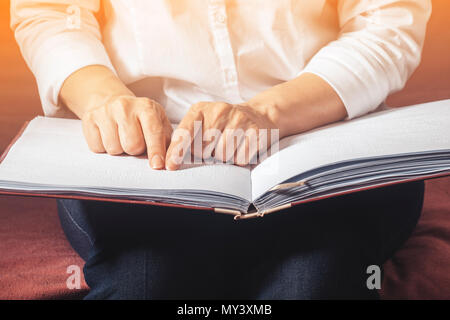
<point x="117" y="275"/>
<point x="319" y="275"/>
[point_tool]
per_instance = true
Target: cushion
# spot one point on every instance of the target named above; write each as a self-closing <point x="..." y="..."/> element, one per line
<point x="420" y="269"/>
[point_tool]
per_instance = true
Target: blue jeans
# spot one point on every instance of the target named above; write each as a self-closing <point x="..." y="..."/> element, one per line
<point x="319" y="250"/>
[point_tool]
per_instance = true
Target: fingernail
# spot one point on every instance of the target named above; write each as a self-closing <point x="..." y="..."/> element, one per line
<point x="157" y="162"/>
<point x="171" y="164"/>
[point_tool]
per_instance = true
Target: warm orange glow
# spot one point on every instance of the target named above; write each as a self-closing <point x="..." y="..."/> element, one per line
<point x="18" y="94"/>
<point x="431" y="81"/>
<point x="19" y="100"/>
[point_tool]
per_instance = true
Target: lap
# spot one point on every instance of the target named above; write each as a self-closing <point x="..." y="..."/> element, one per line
<point x="167" y="253"/>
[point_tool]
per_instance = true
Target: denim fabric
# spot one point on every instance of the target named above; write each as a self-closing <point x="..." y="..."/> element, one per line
<point x="318" y="250"/>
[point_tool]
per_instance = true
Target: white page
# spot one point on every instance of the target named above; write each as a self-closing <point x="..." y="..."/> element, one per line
<point x="424" y="127"/>
<point x="53" y="152"/>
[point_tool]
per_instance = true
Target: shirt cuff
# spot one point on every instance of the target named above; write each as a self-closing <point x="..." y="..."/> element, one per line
<point x="360" y="85"/>
<point x="60" y="56"/>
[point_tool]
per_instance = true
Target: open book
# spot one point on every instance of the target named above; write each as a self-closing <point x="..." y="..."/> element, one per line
<point x="51" y="158"/>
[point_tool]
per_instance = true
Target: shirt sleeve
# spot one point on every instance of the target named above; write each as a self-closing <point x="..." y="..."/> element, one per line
<point x="57" y="38"/>
<point x="378" y="48"/>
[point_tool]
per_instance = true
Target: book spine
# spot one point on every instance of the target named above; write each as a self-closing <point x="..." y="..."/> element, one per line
<point x="228" y="211"/>
<point x="260" y="214"/>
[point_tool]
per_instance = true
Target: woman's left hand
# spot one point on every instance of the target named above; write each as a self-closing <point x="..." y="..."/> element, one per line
<point x="232" y="133"/>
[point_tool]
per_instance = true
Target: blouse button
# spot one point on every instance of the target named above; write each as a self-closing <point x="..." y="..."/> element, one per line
<point x="220" y="18"/>
<point x="230" y="76"/>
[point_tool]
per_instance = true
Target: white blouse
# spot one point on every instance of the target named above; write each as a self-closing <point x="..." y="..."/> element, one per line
<point x="180" y="52"/>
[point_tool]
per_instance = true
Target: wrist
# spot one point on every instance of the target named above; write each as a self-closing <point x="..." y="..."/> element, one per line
<point x="104" y="91"/>
<point x="269" y="107"/>
<point x="91" y="87"/>
<point x="299" y="105"/>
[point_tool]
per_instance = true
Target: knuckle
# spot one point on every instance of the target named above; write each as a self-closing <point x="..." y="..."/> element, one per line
<point x="196" y="107"/>
<point x="156" y="127"/>
<point x="113" y="148"/>
<point x="88" y="117"/>
<point x="239" y="116"/>
<point x="114" y="151"/>
<point x="134" y="147"/>
<point x="119" y="108"/>
<point x="96" y="148"/>
<point x="149" y="112"/>
<point x="145" y="102"/>
<point x="121" y="112"/>
<point x="149" y="104"/>
<point x="223" y="107"/>
<point x="120" y="101"/>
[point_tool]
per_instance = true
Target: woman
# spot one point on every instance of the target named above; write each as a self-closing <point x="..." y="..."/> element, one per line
<point x="291" y="65"/>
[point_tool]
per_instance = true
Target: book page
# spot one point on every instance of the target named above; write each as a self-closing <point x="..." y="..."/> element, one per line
<point x="53" y="152"/>
<point x="420" y="128"/>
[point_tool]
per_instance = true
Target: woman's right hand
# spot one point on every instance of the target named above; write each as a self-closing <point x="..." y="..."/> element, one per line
<point x="127" y="124"/>
<point x="114" y="119"/>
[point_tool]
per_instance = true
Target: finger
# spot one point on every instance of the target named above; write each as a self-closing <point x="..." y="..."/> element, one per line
<point x="155" y="137"/>
<point x="264" y="142"/>
<point x="241" y="156"/>
<point x="93" y="137"/>
<point x="248" y="149"/>
<point x="182" y="138"/>
<point x="228" y="144"/>
<point x="168" y="130"/>
<point x="211" y="138"/>
<point x="232" y="136"/>
<point x="110" y="137"/>
<point x="131" y="137"/>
